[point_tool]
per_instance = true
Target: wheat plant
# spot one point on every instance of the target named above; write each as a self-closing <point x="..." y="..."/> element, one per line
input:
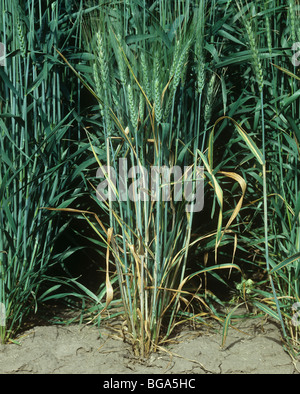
<point x="150" y="118"/>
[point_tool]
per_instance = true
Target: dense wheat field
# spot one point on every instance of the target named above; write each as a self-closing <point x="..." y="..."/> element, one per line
<point x="170" y="131"/>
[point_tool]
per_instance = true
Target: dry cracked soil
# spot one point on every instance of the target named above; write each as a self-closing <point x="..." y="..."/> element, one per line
<point x="255" y="348"/>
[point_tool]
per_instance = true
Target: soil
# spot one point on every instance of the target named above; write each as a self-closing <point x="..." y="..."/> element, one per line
<point x="85" y="349"/>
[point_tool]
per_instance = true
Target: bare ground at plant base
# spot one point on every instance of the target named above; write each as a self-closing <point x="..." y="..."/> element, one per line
<point x="86" y="349"/>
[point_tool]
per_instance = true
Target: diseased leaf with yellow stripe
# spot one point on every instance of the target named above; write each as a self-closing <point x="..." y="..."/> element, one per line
<point x="243" y="185"/>
<point x="227" y="324"/>
<point x="286" y="71"/>
<point x="286" y="262"/>
<point x="266" y="309"/>
<point x="216" y="267"/>
<point x="211" y="149"/>
<point x="219" y="195"/>
<point x="248" y="140"/>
